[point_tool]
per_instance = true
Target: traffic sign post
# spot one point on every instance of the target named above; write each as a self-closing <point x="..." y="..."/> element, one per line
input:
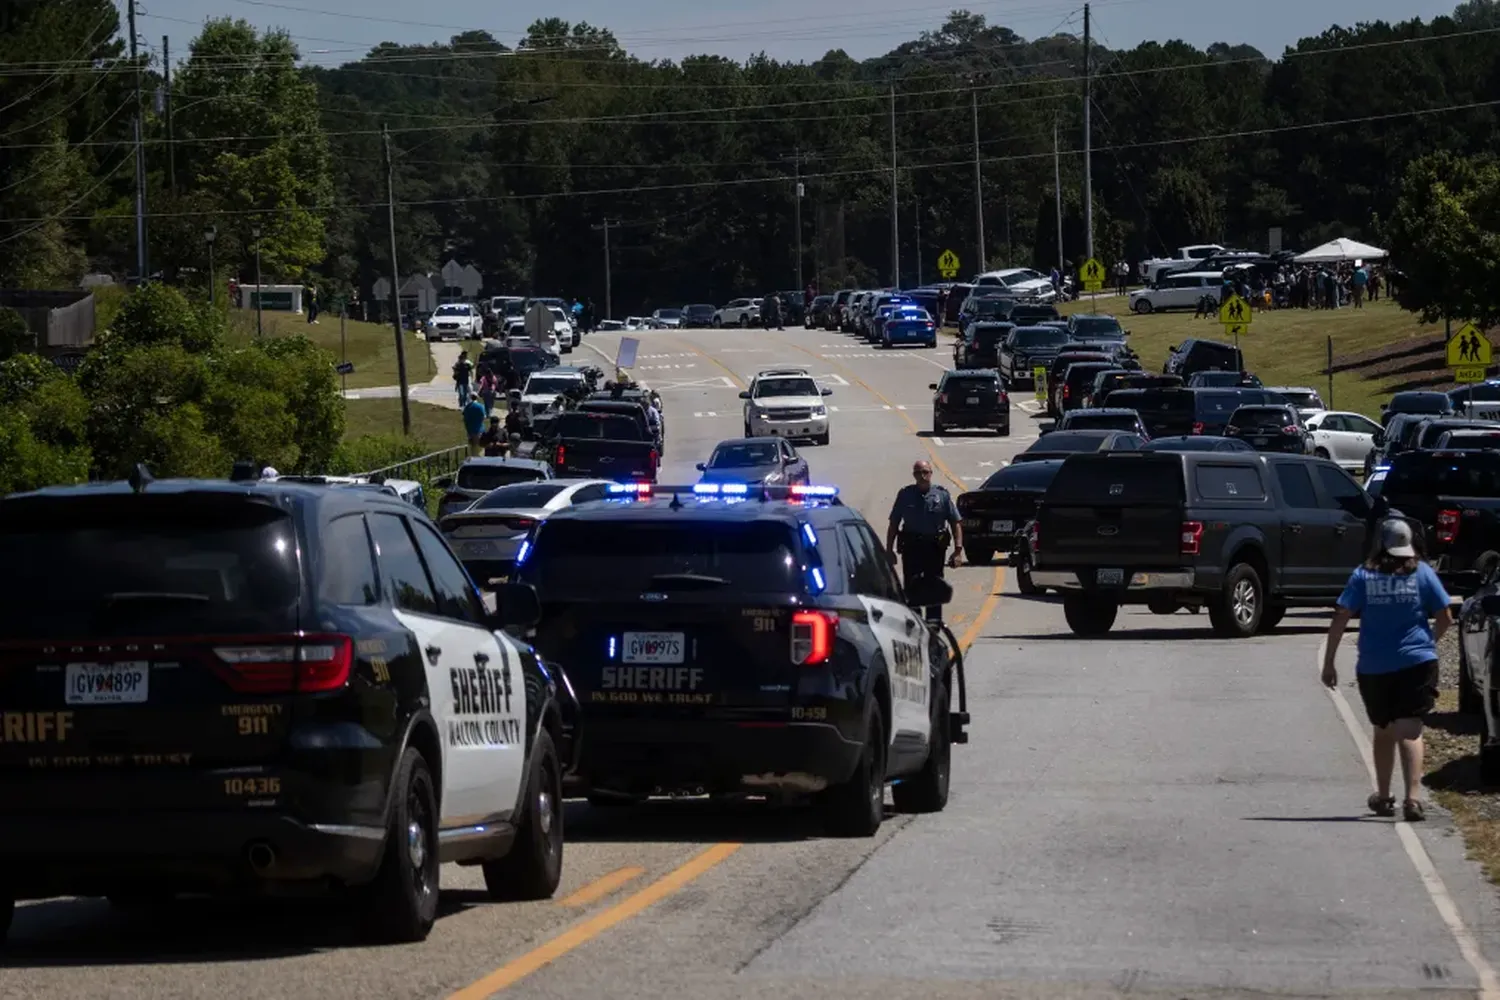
<point x="948" y="264"/>
<point x="1039" y="382"/>
<point x="1469" y="354"/>
<point x="1235" y="315"/>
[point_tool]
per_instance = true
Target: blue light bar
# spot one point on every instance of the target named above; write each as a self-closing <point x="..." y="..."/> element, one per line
<point x="710" y="489"/>
<point x="819" y="584"/>
<point x="815" y="491"/>
<point x="629" y="488"/>
<point x="809" y="534"/>
<point x="525" y="551"/>
<point x="738" y="489"/>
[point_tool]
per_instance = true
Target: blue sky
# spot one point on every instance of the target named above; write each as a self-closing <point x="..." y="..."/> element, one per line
<point x="784" y="29"/>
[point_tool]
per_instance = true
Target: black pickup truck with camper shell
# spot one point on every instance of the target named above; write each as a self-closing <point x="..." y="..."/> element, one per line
<point x="1244" y="535"/>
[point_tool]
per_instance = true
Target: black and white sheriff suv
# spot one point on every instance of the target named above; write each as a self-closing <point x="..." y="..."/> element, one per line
<point x="734" y="639"/>
<point x="261" y="687"/>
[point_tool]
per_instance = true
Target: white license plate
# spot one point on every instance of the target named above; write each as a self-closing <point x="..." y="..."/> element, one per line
<point x="475" y="549"/>
<point x="653" y="647"/>
<point x="1110" y="577"/>
<point x="1002" y="526"/>
<point x="107" y="683"/>
<point x="973" y="400"/>
<point x="1260" y="440"/>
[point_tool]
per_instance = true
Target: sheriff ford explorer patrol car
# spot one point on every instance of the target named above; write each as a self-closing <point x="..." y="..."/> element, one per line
<point x="252" y="687"/>
<point x="733" y="638"/>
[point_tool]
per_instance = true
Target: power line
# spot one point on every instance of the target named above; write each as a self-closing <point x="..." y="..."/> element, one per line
<point x="781" y="179"/>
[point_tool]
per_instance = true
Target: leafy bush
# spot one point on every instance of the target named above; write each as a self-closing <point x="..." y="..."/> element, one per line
<point x="15" y="335"/>
<point x="375" y="451"/>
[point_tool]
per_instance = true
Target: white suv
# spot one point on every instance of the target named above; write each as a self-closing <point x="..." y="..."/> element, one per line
<point x="1177" y="291"/>
<point x="456" y="321"/>
<point x="739" y="312"/>
<point x="786" y="403"/>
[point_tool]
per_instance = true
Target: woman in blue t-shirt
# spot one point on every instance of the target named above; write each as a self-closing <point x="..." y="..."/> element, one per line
<point x="1394" y="593"/>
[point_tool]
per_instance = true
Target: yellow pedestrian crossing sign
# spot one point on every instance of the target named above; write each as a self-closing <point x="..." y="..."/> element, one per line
<point x="1235" y="329"/>
<point x="1235" y="312"/>
<point x="948" y="264"/>
<point x="1469" y="349"/>
<point x="1092" y="274"/>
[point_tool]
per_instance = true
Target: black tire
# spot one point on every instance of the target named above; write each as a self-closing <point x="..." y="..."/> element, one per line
<point x="1021" y="563"/>
<point x="1486" y="564"/>
<point x="1003" y="431"/>
<point x="745" y="322"/>
<point x="1162" y="606"/>
<point x="857" y="807"/>
<point x="823" y="440"/>
<point x="927" y="790"/>
<point x="1271" y="617"/>
<point x="533" y="866"/>
<point x="402" y="901"/>
<point x="1470" y="701"/>
<point x="1142" y="306"/>
<point x="1089" y="616"/>
<point x="1489" y="763"/>
<point x="937" y="426"/>
<point x="977" y="554"/>
<point x="1235" y="612"/>
<point x="1321" y="453"/>
<point x="716" y="323"/>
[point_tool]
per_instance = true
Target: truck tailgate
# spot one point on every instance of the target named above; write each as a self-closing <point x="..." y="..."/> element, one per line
<point x="1119" y="509"/>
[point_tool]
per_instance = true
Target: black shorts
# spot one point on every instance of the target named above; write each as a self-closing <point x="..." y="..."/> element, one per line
<point x="1402" y="694"/>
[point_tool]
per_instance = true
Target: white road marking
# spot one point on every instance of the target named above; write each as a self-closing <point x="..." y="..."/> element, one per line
<point x="986" y="465"/>
<point x="938" y="441"/>
<point x="711" y="413"/>
<point x="833" y="409"/>
<point x="1437" y="890"/>
<point x="885" y="407"/>
<point x="1030" y="405"/>
<point x="900" y="407"/>
<point x="712" y="382"/>
<point x="835" y="379"/>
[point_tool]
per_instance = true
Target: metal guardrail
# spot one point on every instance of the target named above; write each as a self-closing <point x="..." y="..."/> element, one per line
<point x="425" y="467"/>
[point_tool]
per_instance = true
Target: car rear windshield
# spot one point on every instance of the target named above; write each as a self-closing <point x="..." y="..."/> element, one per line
<point x="1305" y="398"/>
<point x="598" y="426"/>
<point x="1419" y="402"/>
<point x="488" y="477"/>
<point x="971" y="383"/>
<point x="989" y="336"/>
<point x="522" y="495"/>
<point x="1219" y="405"/>
<point x="1097" y="326"/>
<point x="1149" y="479"/>
<point x="551" y="386"/>
<point x="1026" y="476"/>
<point x="614" y="559"/>
<point x="1262" y="416"/>
<point x="736" y="456"/>
<point x="143" y="566"/>
<point x="984" y="308"/>
<point x="1034" y="313"/>
<point x="1102" y="421"/>
<point x="1067" y="441"/>
<point x="1041" y="336"/>
<point x="1086" y="371"/>
<point x="1476" y="474"/>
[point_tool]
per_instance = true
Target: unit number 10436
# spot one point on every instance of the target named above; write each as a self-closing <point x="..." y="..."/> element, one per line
<point x="252" y="787"/>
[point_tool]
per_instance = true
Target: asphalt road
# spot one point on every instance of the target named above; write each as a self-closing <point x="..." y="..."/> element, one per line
<point x="1161" y="814"/>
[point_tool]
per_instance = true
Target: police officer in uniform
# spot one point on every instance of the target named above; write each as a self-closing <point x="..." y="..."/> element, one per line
<point x="925" y="519"/>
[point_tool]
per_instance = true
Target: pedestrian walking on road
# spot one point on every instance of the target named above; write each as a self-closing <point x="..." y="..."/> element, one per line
<point x="474" y="417"/>
<point x="489" y="385"/>
<point x="924" y="519"/>
<point x="1394" y="593"/>
<point x="494" y="440"/>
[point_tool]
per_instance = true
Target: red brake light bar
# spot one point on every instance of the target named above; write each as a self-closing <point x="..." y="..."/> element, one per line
<point x="813" y="635"/>
<point x="286" y="664"/>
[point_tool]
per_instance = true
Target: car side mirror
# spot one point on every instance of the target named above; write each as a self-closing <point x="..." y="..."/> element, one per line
<point x="744" y="395"/>
<point x="926" y="591"/>
<point x="701" y="466"/>
<point x="1378" y="437"/>
<point x="828" y="392"/>
<point x="517" y="605"/>
<point x="442" y="482"/>
<point x="932" y="385"/>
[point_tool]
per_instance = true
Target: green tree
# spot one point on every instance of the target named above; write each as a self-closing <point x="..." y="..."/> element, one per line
<point x="1445" y="236"/>
<point x="15" y="336"/>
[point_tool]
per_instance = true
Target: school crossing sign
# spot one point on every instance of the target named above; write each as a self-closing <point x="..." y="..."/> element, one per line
<point x="1092" y="275"/>
<point x="1469" y="354"/>
<point x="948" y="264"/>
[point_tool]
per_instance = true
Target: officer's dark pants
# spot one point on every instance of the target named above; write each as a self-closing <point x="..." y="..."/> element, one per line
<point x="922" y="555"/>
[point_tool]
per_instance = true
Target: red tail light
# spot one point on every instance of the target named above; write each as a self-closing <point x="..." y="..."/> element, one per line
<point x="1067" y="390"/>
<point x="651" y="461"/>
<point x="562" y="456"/>
<point x="286" y="664"/>
<point x="1447" y="525"/>
<point x="1198" y="427"/>
<point x="943" y="398"/>
<point x="1289" y="429"/>
<point x="812" y="637"/>
<point x="1192" y="537"/>
<point x="520" y="523"/>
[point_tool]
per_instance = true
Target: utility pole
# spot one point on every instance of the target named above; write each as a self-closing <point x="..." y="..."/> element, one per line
<point x="609" y="302"/>
<point x="978" y="186"/>
<point x="1057" y="193"/>
<point x="798" y="192"/>
<point x="917" y="215"/>
<point x="166" y="64"/>
<point x="895" y="217"/>
<point x="140" y="155"/>
<point x="260" y="292"/>
<point x="1088" y="138"/>
<point x="390" y="207"/>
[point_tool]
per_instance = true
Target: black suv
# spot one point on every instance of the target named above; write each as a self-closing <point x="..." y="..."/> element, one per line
<point x="1027" y="348"/>
<point x="1171" y="412"/>
<point x="1193" y="355"/>
<point x="263" y="688"/>
<point x="1244" y="535"/>
<point x="979" y="346"/>
<point x="1270" y="428"/>
<point x="974" y="397"/>
<point x="1112" y="418"/>
<point x="995" y="514"/>
<point x="725" y="645"/>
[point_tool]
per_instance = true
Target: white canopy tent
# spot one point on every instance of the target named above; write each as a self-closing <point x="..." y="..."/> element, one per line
<point x="1340" y="250"/>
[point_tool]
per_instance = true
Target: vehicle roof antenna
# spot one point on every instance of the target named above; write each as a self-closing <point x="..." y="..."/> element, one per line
<point x="140" y="476"/>
<point x="676" y="503"/>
